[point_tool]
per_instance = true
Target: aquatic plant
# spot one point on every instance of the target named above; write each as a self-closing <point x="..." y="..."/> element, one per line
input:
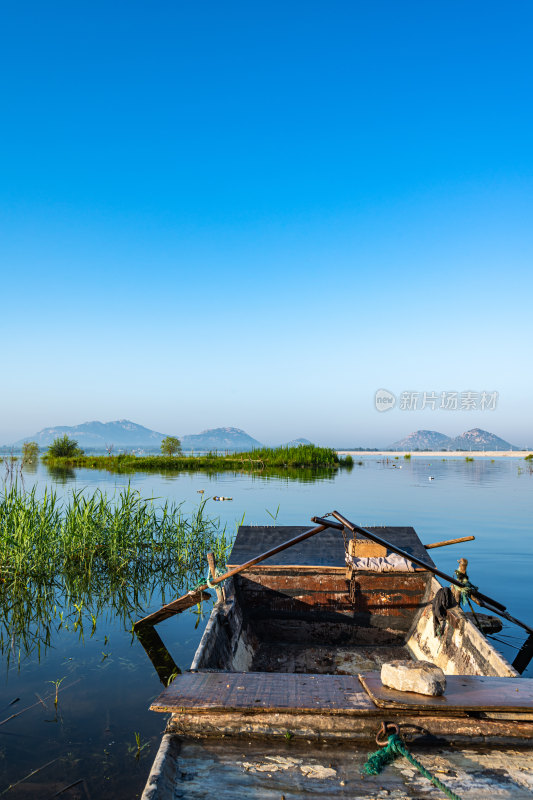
<point x="57" y="684"/>
<point x="304" y="456"/>
<point x="273" y="516"/>
<point x="137" y="750"/>
<point x="63" y="564"/>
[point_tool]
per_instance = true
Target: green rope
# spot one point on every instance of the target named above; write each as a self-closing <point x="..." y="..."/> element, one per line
<point x="377" y="761"/>
<point x="208" y="582"/>
<point x="195" y="588"/>
<point x="467" y="589"/>
<point x="218" y="574"/>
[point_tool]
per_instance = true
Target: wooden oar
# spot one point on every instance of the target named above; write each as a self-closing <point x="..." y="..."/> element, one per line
<point x="488" y="602"/>
<point x="191" y="598"/>
<point x="449" y="541"/>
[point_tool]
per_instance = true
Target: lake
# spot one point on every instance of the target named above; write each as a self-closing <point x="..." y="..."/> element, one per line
<point x="105" y="679"/>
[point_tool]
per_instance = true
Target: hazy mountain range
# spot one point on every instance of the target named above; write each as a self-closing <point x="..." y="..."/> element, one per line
<point x="475" y="439"/>
<point x="99" y="435"/>
<point x="123" y="434"/>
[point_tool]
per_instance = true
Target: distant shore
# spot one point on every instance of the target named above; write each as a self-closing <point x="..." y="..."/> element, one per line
<point x="439" y="453"/>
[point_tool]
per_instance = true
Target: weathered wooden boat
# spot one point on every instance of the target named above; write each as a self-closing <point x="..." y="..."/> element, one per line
<point x="284" y="696"/>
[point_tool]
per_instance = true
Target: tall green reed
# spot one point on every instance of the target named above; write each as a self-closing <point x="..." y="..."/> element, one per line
<point x="62" y="563"/>
<point x="265" y="458"/>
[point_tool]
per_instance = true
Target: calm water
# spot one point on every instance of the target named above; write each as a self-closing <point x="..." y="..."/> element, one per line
<point x="108" y="681"/>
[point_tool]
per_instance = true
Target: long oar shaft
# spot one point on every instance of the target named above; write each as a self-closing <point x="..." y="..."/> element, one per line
<point x="181" y="602"/>
<point x="488" y="602"/>
<point x="370" y="535"/>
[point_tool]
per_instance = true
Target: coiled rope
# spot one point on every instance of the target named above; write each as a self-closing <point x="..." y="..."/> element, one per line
<point x="377" y="761"/>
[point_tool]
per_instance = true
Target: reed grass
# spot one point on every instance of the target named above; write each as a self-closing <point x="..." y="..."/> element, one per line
<point x="263" y="459"/>
<point x="62" y="564"/>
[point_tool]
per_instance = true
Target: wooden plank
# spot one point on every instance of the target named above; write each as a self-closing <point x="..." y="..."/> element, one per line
<point x="260" y="691"/>
<point x="463" y="693"/>
<point x="515" y="729"/>
<point x="276" y="597"/>
<point x="326" y="550"/>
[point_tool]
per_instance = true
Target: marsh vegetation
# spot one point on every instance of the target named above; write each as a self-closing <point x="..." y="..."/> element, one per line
<point x="62" y="563"/>
<point x="264" y="459"/>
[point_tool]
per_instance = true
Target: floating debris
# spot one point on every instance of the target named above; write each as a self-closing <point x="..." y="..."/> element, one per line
<point x="216" y="497"/>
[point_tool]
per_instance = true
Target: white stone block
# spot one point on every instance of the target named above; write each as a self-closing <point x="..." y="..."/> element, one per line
<point x="422" y="677"/>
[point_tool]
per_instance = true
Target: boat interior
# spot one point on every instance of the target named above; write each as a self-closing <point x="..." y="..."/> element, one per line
<point x="302" y="611"/>
<point x="297" y="643"/>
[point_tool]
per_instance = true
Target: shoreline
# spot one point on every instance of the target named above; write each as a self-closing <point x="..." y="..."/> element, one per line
<point x="439" y="453"/>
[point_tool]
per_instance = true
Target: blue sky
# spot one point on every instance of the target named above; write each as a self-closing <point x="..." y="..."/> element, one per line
<point x="257" y="214"/>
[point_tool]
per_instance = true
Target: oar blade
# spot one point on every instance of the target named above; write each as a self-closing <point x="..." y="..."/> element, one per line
<point x="524" y="656"/>
<point x="176" y="607"/>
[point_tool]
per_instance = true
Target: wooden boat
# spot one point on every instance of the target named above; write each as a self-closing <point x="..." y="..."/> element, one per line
<point x="284" y="697"/>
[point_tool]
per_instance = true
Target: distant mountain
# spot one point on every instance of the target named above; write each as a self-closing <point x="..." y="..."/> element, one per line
<point x="96" y="435"/>
<point x="220" y="439"/>
<point x="124" y="434"/>
<point x="478" y="439"/>
<point x="423" y="440"/>
<point x="296" y="443"/>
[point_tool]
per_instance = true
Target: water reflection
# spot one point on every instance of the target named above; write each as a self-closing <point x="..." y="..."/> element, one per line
<point x="33" y="612"/>
<point x="61" y="475"/>
<point x="65" y="475"/>
<point x="155" y="649"/>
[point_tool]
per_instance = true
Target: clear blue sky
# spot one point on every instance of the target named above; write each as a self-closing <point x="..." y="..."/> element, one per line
<point x="257" y="214"/>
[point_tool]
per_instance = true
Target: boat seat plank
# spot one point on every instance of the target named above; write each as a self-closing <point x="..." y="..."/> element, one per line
<point x="260" y="691"/>
<point x="326" y="549"/>
<point x="463" y="693"/>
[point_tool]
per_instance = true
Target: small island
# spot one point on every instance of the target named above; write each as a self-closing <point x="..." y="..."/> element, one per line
<point x="64" y="452"/>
